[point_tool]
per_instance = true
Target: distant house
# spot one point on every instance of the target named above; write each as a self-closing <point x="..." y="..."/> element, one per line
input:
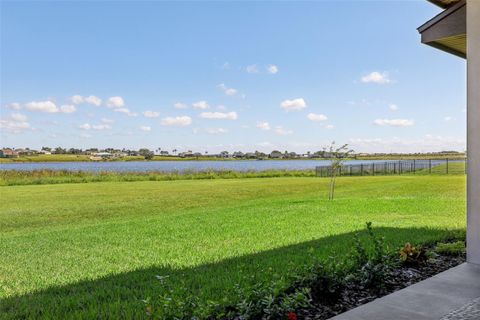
<point x="25" y="152"/>
<point x="275" y="154"/>
<point x="224" y="154"/>
<point x="97" y="156"/>
<point x="8" y="153"/>
<point x="120" y="154"/>
<point x="238" y="154"/>
<point x="188" y="154"/>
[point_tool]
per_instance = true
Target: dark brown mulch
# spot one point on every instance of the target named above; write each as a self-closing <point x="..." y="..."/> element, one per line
<point x="354" y="295"/>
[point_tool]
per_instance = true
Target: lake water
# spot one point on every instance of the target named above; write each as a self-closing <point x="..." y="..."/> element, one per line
<point x="180" y="166"/>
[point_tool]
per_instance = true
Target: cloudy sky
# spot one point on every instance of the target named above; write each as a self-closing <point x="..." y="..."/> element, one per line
<point x="212" y="76"/>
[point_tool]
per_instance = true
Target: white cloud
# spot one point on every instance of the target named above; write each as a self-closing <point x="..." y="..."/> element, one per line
<point x="115" y="102"/>
<point x="226" y="66"/>
<point x="264" y="144"/>
<point x="18" y="117"/>
<point x="145" y="128"/>
<point x="14" y="106"/>
<point x="393" y="107"/>
<point x="281" y="131"/>
<point x="76" y="99"/>
<point x="263" y="126"/>
<point x="151" y="114"/>
<point x="273" y="69"/>
<point x="42" y="106"/>
<point x="376" y="77"/>
<point x="226" y="90"/>
<point x="107" y="121"/>
<point x="16" y="123"/>
<point x="426" y="143"/>
<point x="126" y="111"/>
<point x="96" y="101"/>
<point x="68" y="108"/>
<point x="93" y="100"/>
<point x="179" y="105"/>
<point x="329" y="126"/>
<point x="101" y="127"/>
<point x="317" y="117"/>
<point x="252" y="68"/>
<point x="181" y="121"/>
<point x="294" y="104"/>
<point x="394" y="122"/>
<point x="219" y="115"/>
<point x="85" y="126"/>
<point x="201" y="105"/>
<point x="216" y="130"/>
<point x="448" y="118"/>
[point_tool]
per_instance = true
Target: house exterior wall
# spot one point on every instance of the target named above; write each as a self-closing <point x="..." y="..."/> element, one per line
<point x="473" y="131"/>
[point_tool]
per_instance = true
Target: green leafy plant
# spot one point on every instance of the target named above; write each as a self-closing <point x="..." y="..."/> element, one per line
<point x="371" y="269"/>
<point x="452" y="249"/>
<point x="413" y="255"/>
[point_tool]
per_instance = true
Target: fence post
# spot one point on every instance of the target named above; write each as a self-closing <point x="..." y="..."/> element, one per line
<point x="361" y="169"/>
<point x="430" y="166"/>
<point x="350" y="170"/>
<point x="373" y="168"/>
<point x="414" y="166"/>
<point x="447" y="165"/>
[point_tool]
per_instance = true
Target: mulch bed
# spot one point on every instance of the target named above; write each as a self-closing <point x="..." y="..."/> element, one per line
<point x="354" y="295"/>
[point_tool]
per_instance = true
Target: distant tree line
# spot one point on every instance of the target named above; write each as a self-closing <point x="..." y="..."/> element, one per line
<point x="275" y="154"/>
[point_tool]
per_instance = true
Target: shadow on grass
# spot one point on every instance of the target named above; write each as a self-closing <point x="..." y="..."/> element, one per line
<point x="120" y="295"/>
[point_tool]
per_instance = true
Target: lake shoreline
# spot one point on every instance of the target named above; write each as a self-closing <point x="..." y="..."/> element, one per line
<point x="42" y="158"/>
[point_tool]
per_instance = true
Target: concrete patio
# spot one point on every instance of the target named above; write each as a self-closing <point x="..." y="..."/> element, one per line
<point x="450" y="295"/>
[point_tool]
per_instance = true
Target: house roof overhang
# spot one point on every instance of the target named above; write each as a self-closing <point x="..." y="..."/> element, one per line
<point x="444" y="4"/>
<point x="448" y="30"/>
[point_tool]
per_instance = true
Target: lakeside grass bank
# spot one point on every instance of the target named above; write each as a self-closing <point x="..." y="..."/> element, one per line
<point x="20" y="177"/>
<point x="94" y="250"/>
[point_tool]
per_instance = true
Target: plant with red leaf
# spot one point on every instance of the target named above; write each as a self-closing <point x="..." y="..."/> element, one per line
<point x="292" y="316"/>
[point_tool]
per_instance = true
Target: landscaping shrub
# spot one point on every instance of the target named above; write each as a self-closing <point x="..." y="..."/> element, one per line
<point x="413" y="255"/>
<point x="371" y="270"/>
<point x="452" y="249"/>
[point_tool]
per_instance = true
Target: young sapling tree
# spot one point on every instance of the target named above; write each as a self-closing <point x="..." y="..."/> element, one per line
<point x="338" y="155"/>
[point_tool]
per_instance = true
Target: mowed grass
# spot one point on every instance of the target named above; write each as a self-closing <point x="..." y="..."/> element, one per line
<point x="93" y="250"/>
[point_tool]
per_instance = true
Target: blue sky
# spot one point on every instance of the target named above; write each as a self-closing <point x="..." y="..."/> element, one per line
<point x="213" y="76"/>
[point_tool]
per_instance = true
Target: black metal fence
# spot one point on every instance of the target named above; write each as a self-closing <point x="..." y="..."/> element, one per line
<point x="391" y="167"/>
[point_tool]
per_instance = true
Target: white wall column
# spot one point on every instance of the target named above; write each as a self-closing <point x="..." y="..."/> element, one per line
<point x="473" y="131"/>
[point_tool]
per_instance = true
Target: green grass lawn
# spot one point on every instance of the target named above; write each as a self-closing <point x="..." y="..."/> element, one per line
<point x="93" y="250"/>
